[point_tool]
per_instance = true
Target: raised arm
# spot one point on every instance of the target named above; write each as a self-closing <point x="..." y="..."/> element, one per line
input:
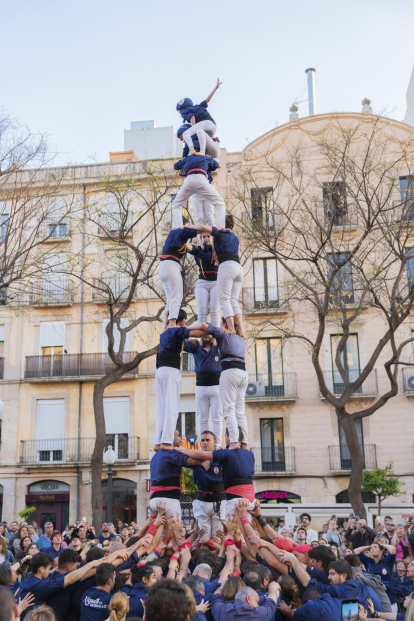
<point x="78" y="574"/>
<point x="361" y="550"/>
<point x="300" y="572"/>
<point x="218" y="84"/>
<point x="201" y="455"/>
<point x="200" y="228"/>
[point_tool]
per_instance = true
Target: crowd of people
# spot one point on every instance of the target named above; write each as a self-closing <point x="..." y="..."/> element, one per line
<point x="249" y="568"/>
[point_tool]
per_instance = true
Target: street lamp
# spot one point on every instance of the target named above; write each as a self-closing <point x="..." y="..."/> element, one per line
<point x="109" y="458"/>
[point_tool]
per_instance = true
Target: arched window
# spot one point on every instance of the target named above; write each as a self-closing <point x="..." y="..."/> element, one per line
<point x="343" y="497"/>
<point x="277" y="497"/>
<point x="124" y="500"/>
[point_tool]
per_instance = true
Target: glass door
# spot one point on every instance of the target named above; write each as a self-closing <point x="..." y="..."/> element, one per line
<point x="49" y="514"/>
<point x="350" y="362"/>
<point x="269" y="366"/>
<point x="346" y="461"/>
<point x="272" y="443"/>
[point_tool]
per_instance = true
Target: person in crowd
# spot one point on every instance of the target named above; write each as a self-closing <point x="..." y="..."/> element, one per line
<point x="238" y="472"/>
<point x="142" y="579"/>
<point x="399" y="541"/>
<point x="8" y="608"/>
<point x="168" y="378"/>
<point x="207" y="394"/>
<point x="24" y="545"/>
<point x="305" y="523"/>
<point x="32" y="532"/>
<point x="96" y="600"/>
<point x="14" y="544"/>
<point x="359" y="534"/>
<point x="68" y="534"/>
<point x="371" y="580"/>
<point x="402" y="590"/>
<point x="209" y="506"/>
<point x="390" y="527"/>
<point x="400" y="573"/>
<point x="75" y="544"/>
<point x="246" y="605"/>
<point x="12" y="530"/>
<point x="332" y="534"/>
<point x="390" y="616"/>
<point x="44" y="540"/>
<point x="378" y="563"/>
<point x="345" y="547"/>
<point x="118" y="607"/>
<point x="57" y="544"/>
<point x="167" y="600"/>
<point x="231" y="587"/>
<point x="5" y="554"/>
<point x="201" y="122"/>
<point x="67" y="561"/>
<point x="315" y="607"/>
<point x="106" y="535"/>
<point x="206" y="294"/>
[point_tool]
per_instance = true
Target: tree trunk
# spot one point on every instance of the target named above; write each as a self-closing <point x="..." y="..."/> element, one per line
<point x="97" y="456"/>
<point x="355" y="482"/>
<point x="379" y="504"/>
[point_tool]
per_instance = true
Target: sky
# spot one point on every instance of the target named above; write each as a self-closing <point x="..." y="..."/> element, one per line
<point x="81" y="71"/>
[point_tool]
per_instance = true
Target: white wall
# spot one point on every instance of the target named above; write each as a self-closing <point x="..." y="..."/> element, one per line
<point x="156" y="142"/>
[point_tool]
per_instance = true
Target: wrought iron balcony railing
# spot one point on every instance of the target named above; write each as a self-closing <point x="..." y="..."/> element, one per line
<point x="337" y="215"/>
<point x="265" y="299"/>
<point x="70" y="450"/>
<point x="73" y="366"/>
<point x="275" y="387"/>
<point x="336" y="385"/>
<point x="113" y="225"/>
<point x="51" y="292"/>
<point x="274" y="459"/>
<point x="54" y="230"/>
<point x="340" y="457"/>
<point x="110" y="289"/>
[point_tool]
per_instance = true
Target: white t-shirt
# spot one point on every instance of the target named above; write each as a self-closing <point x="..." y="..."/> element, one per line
<point x="312" y="535"/>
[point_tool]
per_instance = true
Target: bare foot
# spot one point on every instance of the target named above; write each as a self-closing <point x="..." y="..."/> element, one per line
<point x="156" y="447"/>
<point x="172" y="323"/>
<point x="166" y="447"/>
<point x="199" y="153"/>
<point x="192" y="151"/>
<point x="233" y="446"/>
<point x="245" y="446"/>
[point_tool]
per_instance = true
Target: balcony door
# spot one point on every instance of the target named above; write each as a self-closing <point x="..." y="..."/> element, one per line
<point x="52" y="342"/>
<point x="342" y="288"/>
<point x="54" y="283"/>
<point x="116" y="412"/>
<point x="346" y="461"/>
<point x="272" y="445"/>
<point x="350" y="361"/>
<point x="407" y="197"/>
<point x="269" y="366"/>
<point x="334" y="202"/>
<point x="50" y="430"/>
<point x="266" y="294"/>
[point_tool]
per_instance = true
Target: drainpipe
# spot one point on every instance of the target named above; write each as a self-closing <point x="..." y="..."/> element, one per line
<point x="78" y="474"/>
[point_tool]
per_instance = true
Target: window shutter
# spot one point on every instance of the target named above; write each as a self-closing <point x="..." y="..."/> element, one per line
<point x="50" y="419"/>
<point x="116" y="412"/>
<point x="52" y="334"/>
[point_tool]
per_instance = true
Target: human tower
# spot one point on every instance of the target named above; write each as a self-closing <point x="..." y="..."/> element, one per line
<point x="222" y="476"/>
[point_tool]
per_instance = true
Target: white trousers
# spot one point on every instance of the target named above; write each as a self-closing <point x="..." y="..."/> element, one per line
<point x="207" y="397"/>
<point x="229" y="282"/>
<point x="207" y="519"/>
<point x="203" y="129"/>
<point x="203" y="211"/>
<point x="169" y="273"/>
<point x="197" y="184"/>
<point x="168" y="386"/>
<point x="172" y="506"/>
<point x="233" y="384"/>
<point x="206" y="295"/>
<point x="231" y="508"/>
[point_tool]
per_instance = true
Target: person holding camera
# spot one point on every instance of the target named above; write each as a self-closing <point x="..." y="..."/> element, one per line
<point x="305" y="522"/>
<point x="359" y="533"/>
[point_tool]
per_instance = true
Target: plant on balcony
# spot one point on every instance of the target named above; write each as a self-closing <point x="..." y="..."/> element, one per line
<point x="341" y="265"/>
<point x="382" y="482"/>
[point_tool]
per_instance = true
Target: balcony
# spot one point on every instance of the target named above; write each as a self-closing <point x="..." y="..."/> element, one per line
<point x="1" y="368"/>
<point x="109" y="289"/>
<point x="274" y="460"/>
<point x="337" y="215"/>
<point x="188" y="363"/>
<point x="54" y="230"/>
<point x="51" y="293"/>
<point x="68" y="367"/>
<point x="276" y="387"/>
<point x="259" y="300"/>
<point x="408" y="381"/>
<point x="348" y="298"/>
<point x="368" y="390"/>
<point x="114" y="227"/>
<point x="71" y="451"/>
<point x="340" y="458"/>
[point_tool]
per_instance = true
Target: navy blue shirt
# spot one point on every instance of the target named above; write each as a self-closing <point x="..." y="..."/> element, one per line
<point x="137" y="593"/>
<point x="191" y="162"/>
<point x="203" y="256"/>
<point x="383" y="569"/>
<point x="318" y="574"/>
<point x="350" y="589"/>
<point x="110" y="537"/>
<point x="52" y="552"/>
<point x="199" y="112"/>
<point x="236" y="464"/>
<point x="225" y="242"/>
<point x="205" y="361"/>
<point x="166" y="465"/>
<point x="41" y="589"/>
<point x="171" y="347"/>
<point x="325" y="608"/>
<point x="206" y="478"/>
<point x="176" y="242"/>
<point x="60" y="601"/>
<point x="94" y="606"/>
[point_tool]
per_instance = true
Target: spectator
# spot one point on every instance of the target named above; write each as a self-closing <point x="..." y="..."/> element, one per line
<point x="118" y="607"/>
<point x="399" y="541"/>
<point x="316" y="607"/>
<point x="24" y="545"/>
<point x="44" y="540"/>
<point x="400" y="573"/>
<point x="305" y="523"/>
<point x="119" y="525"/>
<point x="378" y="563"/>
<point x="95" y="602"/>
<point x="231" y="587"/>
<point x="370" y="580"/>
<point x="359" y="534"/>
<point x="5" y="553"/>
<point x="41" y="613"/>
<point x="332" y="535"/>
<point x="345" y="545"/>
<point x="57" y="544"/>
<point x="142" y="578"/>
<point x="390" y="526"/>
<point x="8" y="608"/>
<point x="68" y="534"/>
<point x="75" y="544"/>
<point x="246" y="605"/>
<point x="167" y="600"/>
<point x="14" y="544"/>
<point x="300" y="536"/>
<point x="14" y="527"/>
<point x="105" y="533"/>
<point x="124" y="533"/>
<point x="32" y="533"/>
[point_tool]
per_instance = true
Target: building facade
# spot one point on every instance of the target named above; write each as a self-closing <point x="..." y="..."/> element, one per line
<point x="54" y="350"/>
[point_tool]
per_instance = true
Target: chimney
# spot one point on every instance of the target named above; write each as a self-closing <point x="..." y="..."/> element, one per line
<point x="366" y="106"/>
<point x="311" y="90"/>
<point x="293" y="116"/>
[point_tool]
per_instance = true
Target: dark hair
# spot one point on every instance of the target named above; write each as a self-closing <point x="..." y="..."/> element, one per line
<point x="132" y="540"/>
<point x="310" y="595"/>
<point x="181" y="315"/>
<point x="239" y="428"/>
<point x="41" y="559"/>
<point x="322" y="554"/>
<point x="143" y="571"/>
<point x="301" y="528"/>
<point x="5" y="574"/>
<point x="207" y="432"/>
<point x="200" y="556"/>
<point x="94" y="554"/>
<point x="167" y="600"/>
<point x="229" y="222"/>
<point x="231" y="587"/>
<point x="21" y="546"/>
<point x="7" y="603"/>
<point x="249" y="566"/>
<point x="252" y="579"/>
<point x="159" y="562"/>
<point x="342" y="567"/>
<point x="265" y="573"/>
<point x="194" y="582"/>
<point x="306" y="515"/>
<point x="289" y="589"/>
<point x="68" y="557"/>
<point x="104" y="572"/>
<point x="353" y="560"/>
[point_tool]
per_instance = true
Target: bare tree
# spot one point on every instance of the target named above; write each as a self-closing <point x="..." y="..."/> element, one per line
<point x="327" y="206"/>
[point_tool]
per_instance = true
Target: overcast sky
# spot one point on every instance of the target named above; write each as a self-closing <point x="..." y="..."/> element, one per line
<point x="83" y="70"/>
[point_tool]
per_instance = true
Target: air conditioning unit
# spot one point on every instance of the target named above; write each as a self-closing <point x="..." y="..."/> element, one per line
<point x="410" y="382"/>
<point x="256" y="389"/>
